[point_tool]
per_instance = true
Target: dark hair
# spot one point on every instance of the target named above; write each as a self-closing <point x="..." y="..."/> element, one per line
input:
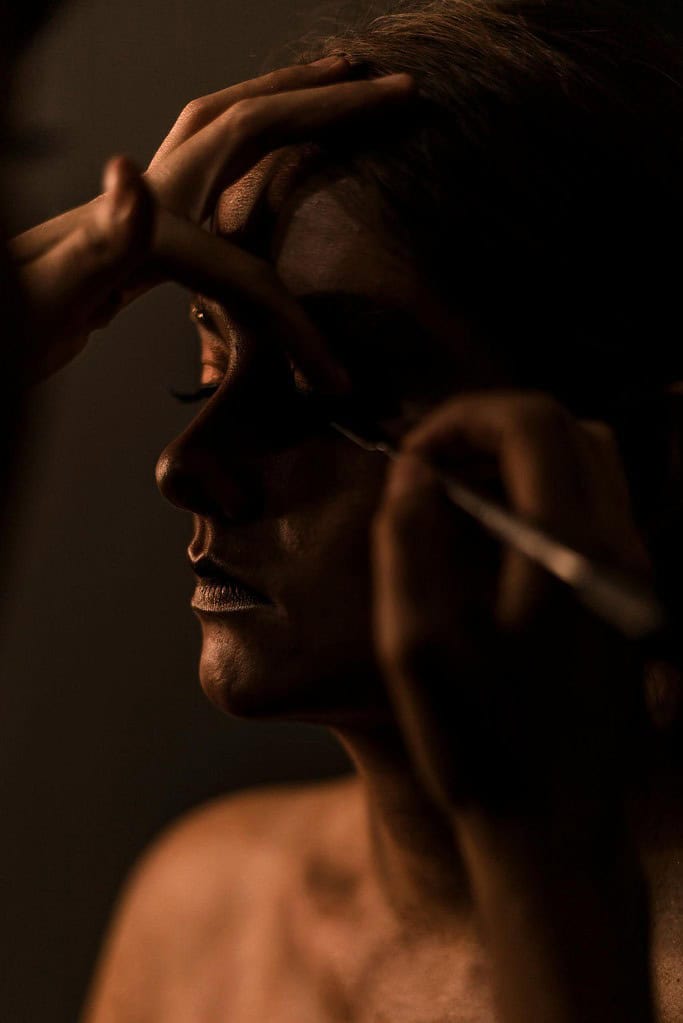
<point x="546" y="141"/>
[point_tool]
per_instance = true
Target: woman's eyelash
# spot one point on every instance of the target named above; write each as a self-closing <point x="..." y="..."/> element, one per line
<point x="200" y="314"/>
<point x="199" y="394"/>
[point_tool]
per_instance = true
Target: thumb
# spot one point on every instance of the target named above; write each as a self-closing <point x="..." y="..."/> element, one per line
<point x="101" y="250"/>
<point x="70" y="285"/>
<point x="125" y="219"/>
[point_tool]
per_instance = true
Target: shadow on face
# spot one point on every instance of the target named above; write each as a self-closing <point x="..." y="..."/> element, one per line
<point x="282" y="506"/>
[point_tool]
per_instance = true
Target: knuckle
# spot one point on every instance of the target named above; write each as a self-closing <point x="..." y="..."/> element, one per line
<point x="280" y="79"/>
<point x="535" y="413"/>
<point x="245" y="117"/>
<point x="192" y="115"/>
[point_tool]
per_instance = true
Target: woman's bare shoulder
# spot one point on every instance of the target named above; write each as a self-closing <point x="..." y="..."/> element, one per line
<point x="271" y="822"/>
<point x="215" y="871"/>
<point x="246" y="816"/>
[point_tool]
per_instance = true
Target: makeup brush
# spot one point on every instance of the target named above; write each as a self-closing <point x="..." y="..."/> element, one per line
<point x="623" y="602"/>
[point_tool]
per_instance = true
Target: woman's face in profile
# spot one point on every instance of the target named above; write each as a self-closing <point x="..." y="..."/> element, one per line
<point x="287" y="509"/>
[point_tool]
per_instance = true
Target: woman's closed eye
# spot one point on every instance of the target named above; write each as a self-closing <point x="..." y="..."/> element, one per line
<point x="218" y="341"/>
<point x="213" y="356"/>
<point x="214" y="350"/>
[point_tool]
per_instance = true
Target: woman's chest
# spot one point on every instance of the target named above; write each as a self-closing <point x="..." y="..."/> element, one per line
<point x="307" y="968"/>
<point x="354" y="964"/>
<point x="309" y="963"/>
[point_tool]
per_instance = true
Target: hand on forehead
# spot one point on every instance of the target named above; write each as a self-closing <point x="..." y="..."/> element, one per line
<point x="368" y="301"/>
<point x="304" y="224"/>
<point x="219" y="139"/>
<point x="241" y="201"/>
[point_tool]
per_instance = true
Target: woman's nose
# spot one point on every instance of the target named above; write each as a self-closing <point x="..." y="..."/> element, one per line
<point x="217" y="466"/>
<point x="200" y="478"/>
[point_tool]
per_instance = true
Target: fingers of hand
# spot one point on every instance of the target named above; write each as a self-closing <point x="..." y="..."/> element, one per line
<point x="201" y="111"/>
<point x="190" y="178"/>
<point x="33" y="243"/>
<point x="526" y="441"/>
<point x="111" y="240"/>
<point x="68" y="283"/>
<point x="120" y="176"/>
<point x="216" y="268"/>
<point x="531" y="438"/>
<point x="466" y="676"/>
<point x="553" y="473"/>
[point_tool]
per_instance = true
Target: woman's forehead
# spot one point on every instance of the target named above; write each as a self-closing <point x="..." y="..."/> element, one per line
<point x="377" y="313"/>
<point x="306" y="226"/>
<point x="238" y="204"/>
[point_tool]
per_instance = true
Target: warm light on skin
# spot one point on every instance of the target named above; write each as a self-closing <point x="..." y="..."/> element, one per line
<point x="308" y="546"/>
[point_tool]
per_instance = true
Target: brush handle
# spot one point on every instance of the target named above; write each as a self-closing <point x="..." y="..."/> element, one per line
<point x="617" y="598"/>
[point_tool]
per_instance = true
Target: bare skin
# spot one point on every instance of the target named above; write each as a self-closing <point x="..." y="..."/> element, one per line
<point x="348" y="901"/>
<point x="403" y="893"/>
<point x="306" y="932"/>
<point x="253" y="913"/>
<point x="79" y="269"/>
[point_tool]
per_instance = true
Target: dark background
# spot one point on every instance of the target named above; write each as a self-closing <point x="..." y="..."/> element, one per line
<point x="105" y="735"/>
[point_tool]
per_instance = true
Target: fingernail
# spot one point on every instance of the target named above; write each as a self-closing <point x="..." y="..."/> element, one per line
<point x="118" y="172"/>
<point x="110" y="175"/>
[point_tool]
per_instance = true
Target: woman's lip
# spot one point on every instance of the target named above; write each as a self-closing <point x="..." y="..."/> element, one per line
<point x="214" y="575"/>
<point x="216" y="596"/>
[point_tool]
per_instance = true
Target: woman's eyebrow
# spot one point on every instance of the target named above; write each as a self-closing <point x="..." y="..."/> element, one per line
<point x="350" y="318"/>
<point x="358" y="328"/>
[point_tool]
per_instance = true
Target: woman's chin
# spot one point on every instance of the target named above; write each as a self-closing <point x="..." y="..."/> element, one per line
<point x="234" y="670"/>
<point x="246" y="675"/>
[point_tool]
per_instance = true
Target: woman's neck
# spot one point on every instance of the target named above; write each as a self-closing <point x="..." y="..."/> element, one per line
<point x="414" y="857"/>
<point x="412" y="850"/>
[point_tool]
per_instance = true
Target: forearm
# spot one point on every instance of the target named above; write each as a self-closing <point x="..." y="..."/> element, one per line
<point x="567" y="931"/>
